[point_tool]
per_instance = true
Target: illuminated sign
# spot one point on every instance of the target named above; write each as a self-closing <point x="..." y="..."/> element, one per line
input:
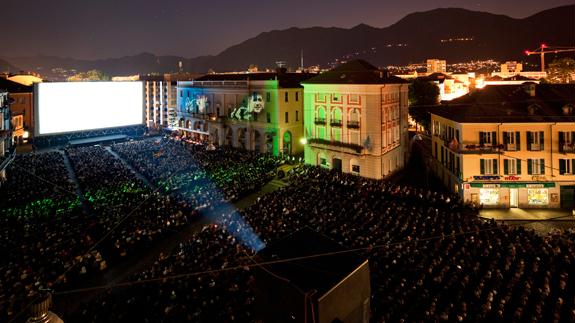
<point x="512" y="178"/>
<point x="539" y="178"/>
<point x="487" y="178"/>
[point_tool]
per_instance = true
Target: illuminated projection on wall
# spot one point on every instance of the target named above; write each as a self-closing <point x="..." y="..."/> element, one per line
<point x="199" y="104"/>
<point x="255" y="105"/>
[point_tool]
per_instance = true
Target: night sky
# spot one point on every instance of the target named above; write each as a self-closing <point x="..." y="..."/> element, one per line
<point x="113" y="28"/>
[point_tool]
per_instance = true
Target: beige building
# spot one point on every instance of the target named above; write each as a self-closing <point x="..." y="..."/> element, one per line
<point x="255" y="111"/>
<point x="508" y="146"/>
<point x="356" y="120"/>
<point x="436" y="66"/>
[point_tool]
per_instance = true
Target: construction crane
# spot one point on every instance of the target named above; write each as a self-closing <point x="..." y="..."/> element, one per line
<point x="544" y="49"/>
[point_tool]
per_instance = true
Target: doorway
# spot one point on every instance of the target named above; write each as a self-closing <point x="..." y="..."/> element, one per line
<point x="513" y="198"/>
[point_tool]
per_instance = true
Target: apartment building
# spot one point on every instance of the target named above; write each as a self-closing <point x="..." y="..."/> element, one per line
<point x="508" y="146"/>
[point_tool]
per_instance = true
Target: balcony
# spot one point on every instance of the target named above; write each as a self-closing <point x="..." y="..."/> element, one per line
<point x="319" y="121"/>
<point x="323" y="143"/>
<point x="353" y="124"/>
<point x="475" y="148"/>
<point x="566" y="148"/>
<point x="335" y="123"/>
<point x="511" y="147"/>
<point x="535" y="147"/>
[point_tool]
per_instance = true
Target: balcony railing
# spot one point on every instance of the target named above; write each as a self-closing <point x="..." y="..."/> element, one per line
<point x="510" y="147"/>
<point x="355" y="147"/>
<point x="8" y="158"/>
<point x="475" y="148"/>
<point x="567" y="147"/>
<point x="534" y="147"/>
<point x="320" y="121"/>
<point x="335" y="123"/>
<point x="353" y="124"/>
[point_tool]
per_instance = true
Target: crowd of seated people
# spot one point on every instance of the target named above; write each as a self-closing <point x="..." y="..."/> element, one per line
<point x="41" y="225"/>
<point x="196" y="174"/>
<point x="431" y="259"/>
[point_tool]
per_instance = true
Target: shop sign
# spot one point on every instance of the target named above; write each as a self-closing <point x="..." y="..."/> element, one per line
<point x="487" y="178"/>
<point x="509" y="185"/>
<point x="539" y="178"/>
<point x="512" y="178"/>
<point x="534" y="185"/>
<point x="491" y="185"/>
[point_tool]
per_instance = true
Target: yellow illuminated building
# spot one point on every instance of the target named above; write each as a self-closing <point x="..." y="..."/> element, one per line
<point x="508" y="146"/>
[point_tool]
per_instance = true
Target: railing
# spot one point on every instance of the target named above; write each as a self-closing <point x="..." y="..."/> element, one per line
<point x="335" y="123"/>
<point x="476" y="148"/>
<point x="9" y="157"/>
<point x="534" y="147"/>
<point x="319" y="121"/>
<point x="317" y="141"/>
<point x="353" y="124"/>
<point x="567" y="147"/>
<point x="510" y="147"/>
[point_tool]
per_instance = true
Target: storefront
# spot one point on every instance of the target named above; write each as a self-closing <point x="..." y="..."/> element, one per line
<point x="512" y="194"/>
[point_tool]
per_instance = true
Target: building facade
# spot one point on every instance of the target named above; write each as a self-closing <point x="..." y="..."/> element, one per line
<point x="436" y="66"/>
<point x="161" y="98"/>
<point x="356" y="120"/>
<point x="7" y="151"/>
<point x="254" y="111"/>
<point x="509" y="146"/>
<point x="22" y="110"/>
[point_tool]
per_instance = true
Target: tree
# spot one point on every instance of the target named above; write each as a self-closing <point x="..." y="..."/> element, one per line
<point x="561" y="71"/>
<point x="92" y="75"/>
<point x="423" y="95"/>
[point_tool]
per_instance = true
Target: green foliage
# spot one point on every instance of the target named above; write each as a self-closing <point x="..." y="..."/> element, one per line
<point x="561" y="71"/>
<point x="422" y="96"/>
<point x="92" y="75"/>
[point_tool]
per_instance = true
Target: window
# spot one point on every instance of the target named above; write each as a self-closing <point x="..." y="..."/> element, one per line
<point x="512" y="166"/>
<point x="296" y="96"/>
<point x="538" y="196"/>
<point x="354" y="99"/>
<point x="286" y="96"/>
<point x="566" y="166"/>
<point x="535" y="140"/>
<point x="486" y="137"/>
<point x="489" y="196"/>
<point x="287" y="117"/>
<point x="297" y="115"/>
<point x="355" y="169"/>
<point x="511" y="140"/>
<point x="268" y="117"/>
<point x="536" y="166"/>
<point x="181" y="94"/>
<point x="320" y="97"/>
<point x="566" y="141"/>
<point x="323" y="162"/>
<point x="336" y="98"/>
<point x="488" y="166"/>
<point x="268" y="97"/>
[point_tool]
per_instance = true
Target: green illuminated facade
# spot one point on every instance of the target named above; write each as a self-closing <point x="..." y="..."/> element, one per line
<point x="255" y="111"/>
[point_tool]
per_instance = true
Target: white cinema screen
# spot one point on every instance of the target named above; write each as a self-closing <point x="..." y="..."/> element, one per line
<point x="78" y="106"/>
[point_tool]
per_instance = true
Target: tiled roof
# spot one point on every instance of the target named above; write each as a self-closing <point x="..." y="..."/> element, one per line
<point x="512" y="103"/>
<point x="355" y="72"/>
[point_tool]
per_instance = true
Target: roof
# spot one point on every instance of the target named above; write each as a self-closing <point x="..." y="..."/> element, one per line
<point x="512" y="78"/>
<point x="286" y="80"/>
<point x="512" y="103"/>
<point x="320" y="273"/>
<point x="355" y="72"/>
<point x="27" y="80"/>
<point x="14" y="87"/>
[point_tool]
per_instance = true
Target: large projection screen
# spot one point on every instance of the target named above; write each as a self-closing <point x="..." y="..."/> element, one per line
<point x="63" y="107"/>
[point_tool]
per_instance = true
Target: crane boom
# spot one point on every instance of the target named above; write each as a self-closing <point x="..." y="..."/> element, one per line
<point x="544" y="49"/>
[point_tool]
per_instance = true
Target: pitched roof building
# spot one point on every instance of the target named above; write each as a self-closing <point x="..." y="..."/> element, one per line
<point x="355" y="119"/>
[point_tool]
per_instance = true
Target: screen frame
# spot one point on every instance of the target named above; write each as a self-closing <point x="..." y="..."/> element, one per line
<point x="36" y="114"/>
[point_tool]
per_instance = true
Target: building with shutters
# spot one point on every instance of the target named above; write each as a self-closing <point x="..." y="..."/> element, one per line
<point x="355" y="120"/>
<point x="508" y="146"/>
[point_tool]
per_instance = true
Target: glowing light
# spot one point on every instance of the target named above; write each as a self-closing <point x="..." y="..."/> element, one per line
<point x="77" y="106"/>
<point x="303" y="141"/>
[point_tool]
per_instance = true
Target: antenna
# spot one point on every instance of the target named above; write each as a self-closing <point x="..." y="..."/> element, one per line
<point x="301" y="63"/>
